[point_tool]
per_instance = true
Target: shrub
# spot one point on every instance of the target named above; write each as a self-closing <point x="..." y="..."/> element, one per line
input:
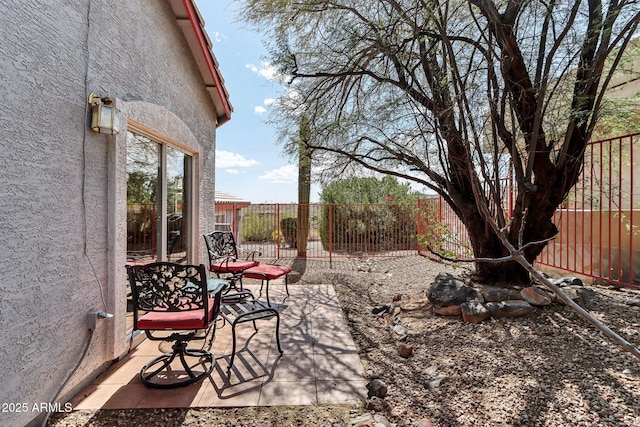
<point x="369" y="214"/>
<point x="255" y="228"/>
<point x="289" y="228"/>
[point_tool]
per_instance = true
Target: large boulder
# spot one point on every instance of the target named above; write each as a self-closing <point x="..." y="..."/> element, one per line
<point x="448" y="290"/>
<point x="497" y="295"/>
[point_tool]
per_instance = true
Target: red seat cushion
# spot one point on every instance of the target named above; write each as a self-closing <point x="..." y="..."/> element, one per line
<point x="232" y="266"/>
<point x="176" y="320"/>
<point x="267" y="271"/>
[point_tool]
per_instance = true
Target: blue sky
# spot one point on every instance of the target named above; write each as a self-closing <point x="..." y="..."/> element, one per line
<point x="249" y="162"/>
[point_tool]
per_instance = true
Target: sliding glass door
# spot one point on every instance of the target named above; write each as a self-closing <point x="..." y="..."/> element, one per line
<point x="158" y="202"/>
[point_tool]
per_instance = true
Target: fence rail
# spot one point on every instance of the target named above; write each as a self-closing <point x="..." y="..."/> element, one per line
<point x="334" y="230"/>
<point x="599" y="223"/>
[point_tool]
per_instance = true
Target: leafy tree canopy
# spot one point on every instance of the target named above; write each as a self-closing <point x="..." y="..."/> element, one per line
<point x="369" y="190"/>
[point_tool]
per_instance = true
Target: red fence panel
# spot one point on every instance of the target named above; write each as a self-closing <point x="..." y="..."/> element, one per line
<point x="441" y="230"/>
<point x="335" y="230"/>
<point x="599" y="222"/>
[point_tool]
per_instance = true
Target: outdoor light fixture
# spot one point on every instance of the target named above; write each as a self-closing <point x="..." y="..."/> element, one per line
<point x="105" y="118"/>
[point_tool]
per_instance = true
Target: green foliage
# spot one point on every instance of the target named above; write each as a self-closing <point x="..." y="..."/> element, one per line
<point x="289" y="228"/>
<point x="262" y="226"/>
<point x="141" y="188"/>
<point x="255" y="228"/>
<point x="368" y="190"/>
<point x="368" y="213"/>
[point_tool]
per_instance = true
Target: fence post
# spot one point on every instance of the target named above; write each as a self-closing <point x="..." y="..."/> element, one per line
<point x="419" y="227"/>
<point x="631" y="207"/>
<point x="330" y="235"/>
<point x="278" y="231"/>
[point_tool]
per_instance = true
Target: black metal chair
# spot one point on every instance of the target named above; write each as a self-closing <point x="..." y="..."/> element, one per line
<point x="224" y="259"/>
<point x="172" y="302"/>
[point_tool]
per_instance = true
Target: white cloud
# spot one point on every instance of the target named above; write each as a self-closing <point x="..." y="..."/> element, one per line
<point x="219" y="37"/>
<point x="283" y="175"/>
<point x="229" y="160"/>
<point x="267" y="103"/>
<point x="232" y="171"/>
<point x="266" y="70"/>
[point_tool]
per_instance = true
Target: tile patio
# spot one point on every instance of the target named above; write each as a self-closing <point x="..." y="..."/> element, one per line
<point x="320" y="364"/>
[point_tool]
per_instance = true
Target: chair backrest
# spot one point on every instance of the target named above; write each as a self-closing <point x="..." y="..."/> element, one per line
<point x="221" y="244"/>
<point x="170" y="287"/>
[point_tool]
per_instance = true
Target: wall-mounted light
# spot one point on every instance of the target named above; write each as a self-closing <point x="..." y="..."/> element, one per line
<point x="105" y="118"/>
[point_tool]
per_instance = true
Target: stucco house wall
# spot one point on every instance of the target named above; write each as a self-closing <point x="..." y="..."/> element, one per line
<point x="63" y="186"/>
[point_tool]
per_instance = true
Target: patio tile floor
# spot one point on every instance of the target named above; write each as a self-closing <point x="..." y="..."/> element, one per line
<point x="320" y="364"/>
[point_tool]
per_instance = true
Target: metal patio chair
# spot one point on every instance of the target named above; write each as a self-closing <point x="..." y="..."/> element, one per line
<point x="224" y="259"/>
<point x="172" y="302"/>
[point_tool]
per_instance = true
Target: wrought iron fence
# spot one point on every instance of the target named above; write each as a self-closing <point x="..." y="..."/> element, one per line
<point x="333" y="230"/>
<point x="599" y="222"/>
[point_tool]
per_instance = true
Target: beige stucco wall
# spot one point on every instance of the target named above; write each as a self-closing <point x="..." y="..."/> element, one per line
<point x="63" y="187"/>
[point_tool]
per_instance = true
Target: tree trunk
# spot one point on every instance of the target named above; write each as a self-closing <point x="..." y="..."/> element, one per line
<point x="304" y="187"/>
<point x="487" y="245"/>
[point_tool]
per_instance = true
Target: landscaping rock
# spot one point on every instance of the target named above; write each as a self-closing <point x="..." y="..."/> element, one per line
<point x="381" y="309"/>
<point x="474" y="312"/>
<point x="449" y="310"/>
<point x="511" y="308"/>
<point x="405" y="350"/>
<point x="377" y="388"/>
<point x="536" y="296"/>
<point x="448" y="290"/>
<point x="364" y="420"/>
<point x="435" y="383"/>
<point x="571" y="292"/>
<point x="381" y="421"/>
<point x="395" y="311"/>
<point x="401" y="330"/>
<point x="431" y="371"/>
<point x="497" y="295"/>
<point x="378" y="405"/>
<point x="568" y="281"/>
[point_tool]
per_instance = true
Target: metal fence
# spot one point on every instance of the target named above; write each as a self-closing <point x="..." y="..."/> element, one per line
<point x="599" y="222"/>
<point x="334" y="230"/>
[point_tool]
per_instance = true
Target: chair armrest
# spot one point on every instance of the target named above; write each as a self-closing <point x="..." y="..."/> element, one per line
<point x="220" y="260"/>
<point x="251" y="254"/>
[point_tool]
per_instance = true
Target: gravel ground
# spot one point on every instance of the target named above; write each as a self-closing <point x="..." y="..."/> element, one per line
<point x="549" y="368"/>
